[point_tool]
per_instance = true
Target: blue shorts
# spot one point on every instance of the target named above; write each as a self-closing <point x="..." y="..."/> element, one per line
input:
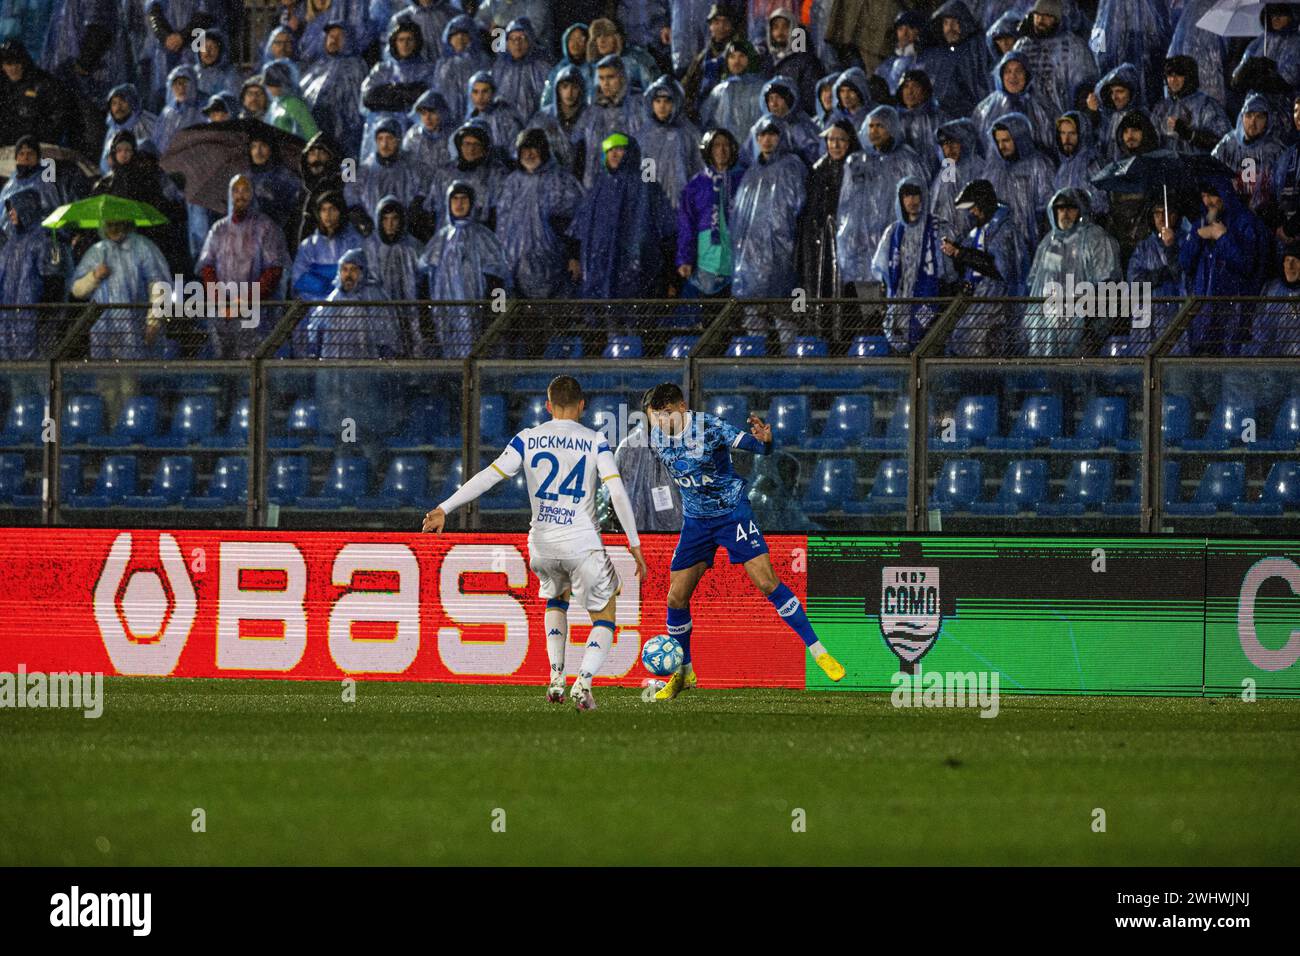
<point x="701" y="538"/>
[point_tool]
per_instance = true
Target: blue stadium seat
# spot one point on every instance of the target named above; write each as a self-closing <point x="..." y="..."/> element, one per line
<point x="958" y="485"/>
<point x="848" y="423"/>
<point x="834" y="485"/>
<point x="1037" y="424"/>
<point x="730" y="408"/>
<point x="747" y="346"/>
<point x="348" y="480"/>
<point x="1132" y="505"/>
<point x="492" y="420"/>
<point x="1090" y="484"/>
<point x="12" y="476"/>
<point x="623" y="347"/>
<point x="405" y="483"/>
<point x="679" y="346"/>
<point x="897" y="430"/>
<point x="71" y="478"/>
<point x="605" y="407"/>
<point x="117" y="480"/>
<point x="172" y="483"/>
<point x="1104" y="425"/>
<point x="1023" y="486"/>
<point x="1223" y="429"/>
<point x="1281" y="492"/>
<point x="228" y="487"/>
<point x="1221" y="487"/>
<point x="808" y="346"/>
<point x="1286" y="428"/>
<point x="23" y="421"/>
<point x="563" y="347"/>
<point x="452" y="479"/>
<point x="976" y="421"/>
<point x="237" y="428"/>
<point x="889" y="489"/>
<point x="137" y="424"/>
<point x="788" y="417"/>
<point x="429" y="418"/>
<point x="1176" y="423"/>
<point x="83" y="420"/>
<point x="193" y="422"/>
<point x="287" y="481"/>
<point x="870" y="346"/>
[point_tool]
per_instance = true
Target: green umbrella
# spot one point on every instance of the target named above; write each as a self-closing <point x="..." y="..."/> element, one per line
<point x="94" y="212"/>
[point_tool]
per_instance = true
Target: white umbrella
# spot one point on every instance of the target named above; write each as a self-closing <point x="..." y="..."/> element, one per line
<point x="1234" y="18"/>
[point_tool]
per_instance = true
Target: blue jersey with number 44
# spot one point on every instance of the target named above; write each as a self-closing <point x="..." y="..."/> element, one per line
<point x="699" y="460"/>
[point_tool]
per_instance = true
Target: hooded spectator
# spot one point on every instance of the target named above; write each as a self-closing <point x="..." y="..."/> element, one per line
<point x="817" y="223"/>
<point x="960" y="163"/>
<point x="388" y="172"/>
<point x="852" y="94"/>
<point x="396" y="82"/>
<point x="709" y="67"/>
<point x="33" y="102"/>
<point x="573" y="53"/>
<point x="1021" y="175"/>
<point x="462" y="56"/>
<point x="281" y="44"/>
<point x="612" y="110"/>
<point x="1137" y="32"/>
<point x="1012" y="79"/>
<point x="1286" y="185"/>
<point x="431" y="16"/>
<point x="560" y="118"/>
<point x="278" y="189"/>
<point x="1129" y="217"/>
<point x="1279" y="41"/>
<point x="824" y="102"/>
<point x="124" y="114"/>
<point x="489" y="109"/>
<point x="172" y="25"/>
<point x="606" y="39"/>
<point x="136" y="175"/>
<point x="1079" y="160"/>
<point x="909" y="28"/>
<point x="1207" y="50"/>
<point x="24" y="274"/>
<point x="320" y="13"/>
<point x="779" y="98"/>
<point x="51" y="191"/>
<point x="1275" y="331"/>
<point x="212" y="67"/>
<point x="1252" y="150"/>
<point x="669" y="139"/>
<point x="331" y="85"/>
<point x="123" y="266"/>
<point x="1059" y="60"/>
<point x="1117" y="93"/>
<point x="368" y="328"/>
<point x="500" y="13"/>
<point x="920" y="115"/>
<point x="1188" y="119"/>
<point x="538" y="202"/>
<point x="788" y="58"/>
<point x="476" y="163"/>
<point x="957" y="61"/>
<point x="393" y="256"/>
<point x="704" y="253"/>
<point x="317" y="261"/>
<point x="764" y="218"/>
<point x="428" y="142"/>
<point x="182" y="107"/>
<point x="288" y="110"/>
<point x="521" y="71"/>
<point x="1001" y="36"/>
<point x="321" y="164"/>
<point x="1155" y="261"/>
<point x="910" y="262"/>
<point x="736" y="102"/>
<point x="254" y="100"/>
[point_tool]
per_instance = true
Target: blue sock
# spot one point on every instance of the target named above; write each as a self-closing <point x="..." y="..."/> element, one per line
<point x="792" y="612"/>
<point x="679" y="627"/>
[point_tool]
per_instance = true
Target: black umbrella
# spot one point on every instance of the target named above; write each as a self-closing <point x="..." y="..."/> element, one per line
<point x="209" y="154"/>
<point x="1161" y="174"/>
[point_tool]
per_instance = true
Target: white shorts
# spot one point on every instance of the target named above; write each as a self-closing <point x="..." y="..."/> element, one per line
<point x="590" y="576"/>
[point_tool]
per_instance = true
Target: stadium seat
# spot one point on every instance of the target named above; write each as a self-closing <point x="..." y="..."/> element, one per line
<point x="679" y="346"/>
<point x="236" y="433"/>
<point x="116" y="481"/>
<point x="976" y="420"/>
<point x="83" y="420"/>
<point x="452" y="479"/>
<point x="1281" y="492"/>
<point x="348" y="480"/>
<point x="492" y="420"/>
<point x="808" y="346"/>
<point x="287" y="481"/>
<point x="623" y="347"/>
<point x="1222" y="486"/>
<point x="848" y="423"/>
<point x="23" y="421"/>
<point x="193" y="422"/>
<point x="1038" y="422"/>
<point x="889" y="489"/>
<point x="605" y="407"/>
<point x="730" y="408"/>
<point x="1176" y="420"/>
<point x="1286" y="428"/>
<point x="1103" y="425"/>
<point x="1023" y="486"/>
<point x="897" y="430"/>
<point x="1132" y="505"/>
<point x="71" y="478"/>
<point x="12" y="476"/>
<point x="429" y="418"/>
<point x="511" y="494"/>
<point x="1090" y="484"/>
<point x="958" y="485"/>
<point x="228" y="487"/>
<point x="405" y="483"/>
<point x="870" y="346"/>
<point x="788" y="417"/>
<point x="834" y="485"/>
<point x="172" y="483"/>
<point x="137" y="424"/>
<point x="1223" y="429"/>
<point x="563" y="348"/>
<point x="747" y="346"/>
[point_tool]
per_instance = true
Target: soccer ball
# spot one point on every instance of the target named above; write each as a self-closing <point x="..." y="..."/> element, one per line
<point x="662" y="655"/>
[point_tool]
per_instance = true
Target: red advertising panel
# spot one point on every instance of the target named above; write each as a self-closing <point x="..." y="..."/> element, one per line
<point x="325" y="606"/>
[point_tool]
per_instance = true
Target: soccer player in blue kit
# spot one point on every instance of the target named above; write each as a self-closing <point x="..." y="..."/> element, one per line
<point x="696" y="450"/>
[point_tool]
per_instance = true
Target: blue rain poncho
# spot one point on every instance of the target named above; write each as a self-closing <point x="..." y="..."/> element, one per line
<point x="366" y="330"/>
<point x="501" y="12"/>
<point x="278" y="191"/>
<point x="355" y="13"/>
<point x="464" y="260"/>
<point x="822" y="116"/>
<point x="959" y="72"/>
<point x="331" y="86"/>
<point x="429" y="150"/>
<point x="138" y="122"/>
<point x="158" y="63"/>
<point x="764" y="218"/>
<point x="1258" y="156"/>
<point x="1200" y="120"/>
<point x="565" y="62"/>
<point x="432" y="18"/>
<point x="622" y="113"/>
<point x="999" y="103"/>
<point x="805" y="138"/>
<point x="499" y="118"/>
<point x="1280" y="46"/>
<point x="1059" y="64"/>
<point x="396" y="175"/>
<point x="452" y="70"/>
<point x="395" y="262"/>
<point x="1023" y="182"/>
<point x="219" y="76"/>
<point x="980" y="333"/>
<point x="177" y="115"/>
<point x="910" y="262"/>
<point x="561" y="129"/>
<point x="621" y="228"/>
<point x="22" y="274"/>
<point x="317" y="261"/>
<point x="1125" y="75"/>
<point x="1085" y="253"/>
<point x="273" y="49"/>
<point x="853" y="77"/>
<point x="241" y="249"/>
<point x="393" y="85"/>
<point x="1137" y="32"/>
<point x="920" y="125"/>
<point x="1208" y="50"/>
<point x="953" y="177"/>
<point x="735" y="104"/>
<point x="520" y="82"/>
<point x="533" y="215"/>
<point x="1155" y="263"/>
<point x="868" y="195"/>
<point x="68" y="25"/>
<point x="51" y="193"/>
<point x="484" y="176"/>
<point x="690" y="31"/>
<point x="134" y="264"/>
<point x="1076" y="170"/>
<point x="674" y="144"/>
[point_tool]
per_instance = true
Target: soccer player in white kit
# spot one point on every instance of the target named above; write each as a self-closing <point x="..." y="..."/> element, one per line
<point x="562" y="460"/>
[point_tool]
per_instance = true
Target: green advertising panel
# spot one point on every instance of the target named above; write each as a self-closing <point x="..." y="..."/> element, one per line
<point x="1252" y="617"/>
<point x="1058" y="616"/>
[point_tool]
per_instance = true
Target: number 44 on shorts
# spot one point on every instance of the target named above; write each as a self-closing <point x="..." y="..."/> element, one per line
<point x="742" y="535"/>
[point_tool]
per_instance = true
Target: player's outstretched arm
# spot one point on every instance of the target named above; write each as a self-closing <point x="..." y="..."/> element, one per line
<point x="480" y="484"/>
<point x="622" y="506"/>
<point x="759" y="439"/>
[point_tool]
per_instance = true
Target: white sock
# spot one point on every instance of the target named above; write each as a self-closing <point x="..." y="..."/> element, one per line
<point x="599" y="642"/>
<point x="816" y="649"/>
<point x="557" y="641"/>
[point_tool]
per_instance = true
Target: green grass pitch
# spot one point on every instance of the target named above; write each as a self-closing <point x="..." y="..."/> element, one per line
<point x="286" y="772"/>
